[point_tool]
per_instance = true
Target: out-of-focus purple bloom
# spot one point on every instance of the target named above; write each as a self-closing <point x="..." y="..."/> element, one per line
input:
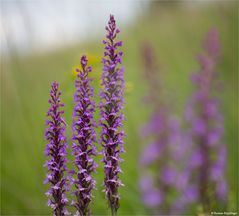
<point x="150" y="154"/>
<point x="165" y="150"/>
<point x="191" y="193"/>
<point x="206" y="123"/>
<point x="83" y="139"/>
<point x="111" y="114"/>
<point x="221" y="190"/>
<point x="156" y="196"/>
<point x="212" y="43"/>
<point x="146" y="183"/>
<point x="152" y="198"/>
<point x="199" y="126"/>
<point x="214" y="137"/>
<point x="168" y="175"/>
<point x="182" y="180"/>
<point x="218" y="165"/>
<point x="196" y="159"/>
<point x="56" y="150"/>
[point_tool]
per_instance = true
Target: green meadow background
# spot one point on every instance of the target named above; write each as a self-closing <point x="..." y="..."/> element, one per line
<point x="176" y="33"/>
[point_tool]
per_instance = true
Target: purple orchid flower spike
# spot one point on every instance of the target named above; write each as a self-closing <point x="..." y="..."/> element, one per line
<point x="111" y="114"/>
<point x="159" y="161"/>
<point x="206" y="127"/>
<point x="56" y="151"/>
<point x="83" y="139"/>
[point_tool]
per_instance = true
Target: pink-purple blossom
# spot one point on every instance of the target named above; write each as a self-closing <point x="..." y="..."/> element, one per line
<point x="84" y="136"/>
<point x="112" y="116"/>
<point x="56" y="151"/>
<point x="158" y="161"/>
<point x="206" y="127"/>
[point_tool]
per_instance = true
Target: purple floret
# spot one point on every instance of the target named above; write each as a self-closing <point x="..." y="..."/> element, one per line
<point x="83" y="139"/>
<point x="111" y="114"/>
<point x="56" y="151"/>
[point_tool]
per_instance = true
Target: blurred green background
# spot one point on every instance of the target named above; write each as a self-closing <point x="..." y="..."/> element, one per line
<point x="176" y="30"/>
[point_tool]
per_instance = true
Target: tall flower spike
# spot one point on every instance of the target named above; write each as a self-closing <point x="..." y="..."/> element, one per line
<point x="111" y="114"/>
<point x="56" y="150"/>
<point x="206" y="127"/>
<point x="83" y="138"/>
<point x="159" y="165"/>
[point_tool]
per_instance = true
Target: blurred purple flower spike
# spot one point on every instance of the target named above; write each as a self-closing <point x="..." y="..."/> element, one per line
<point x="83" y="138"/>
<point x="166" y="147"/>
<point x="152" y="197"/>
<point x="56" y="150"/>
<point x="111" y="114"/>
<point x="206" y="126"/>
<point x="212" y="43"/>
